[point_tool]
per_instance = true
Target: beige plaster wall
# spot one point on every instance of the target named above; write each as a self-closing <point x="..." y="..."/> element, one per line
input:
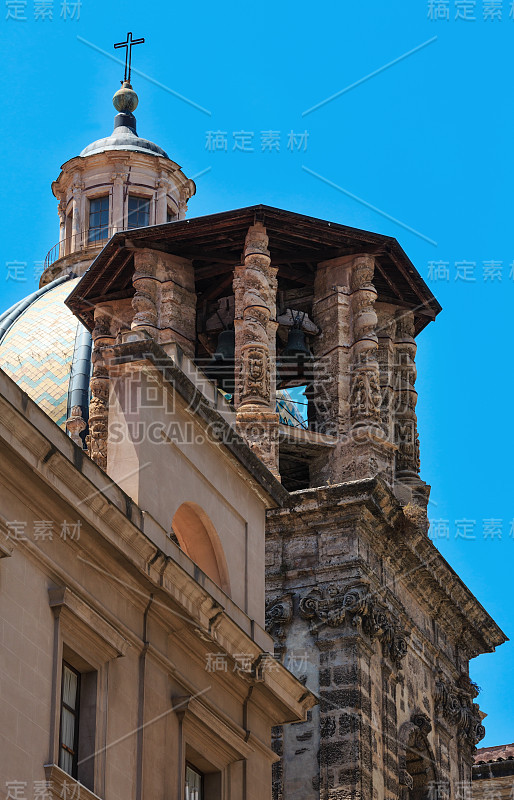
<point x="174" y="462"/>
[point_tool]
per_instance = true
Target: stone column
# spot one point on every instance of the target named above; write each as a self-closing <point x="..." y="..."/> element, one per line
<point x="370" y="453"/>
<point x="345" y="719"/>
<point x="161" y="205"/>
<point x="182" y="205"/>
<point x="255" y="289"/>
<point x="365" y="394"/>
<point x="347" y="387"/>
<point x="61" y="210"/>
<point x="405" y="399"/>
<point x="331" y="313"/>
<point x="117" y="218"/>
<point x="386" y="332"/>
<point x="177" y="304"/>
<point x="99" y="405"/>
<point x="330" y="392"/>
<point x="146" y="285"/>
<point x="76" y="222"/>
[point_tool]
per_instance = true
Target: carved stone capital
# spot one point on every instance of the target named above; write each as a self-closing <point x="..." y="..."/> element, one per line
<point x="356" y="606"/>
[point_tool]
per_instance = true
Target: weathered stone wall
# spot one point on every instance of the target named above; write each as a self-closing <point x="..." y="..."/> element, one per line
<point x="359" y="607"/>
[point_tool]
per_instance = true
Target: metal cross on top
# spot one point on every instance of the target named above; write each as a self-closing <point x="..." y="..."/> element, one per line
<point x="128" y="45"/>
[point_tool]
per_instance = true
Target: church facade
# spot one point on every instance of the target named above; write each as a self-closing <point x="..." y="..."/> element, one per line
<point x="208" y="593"/>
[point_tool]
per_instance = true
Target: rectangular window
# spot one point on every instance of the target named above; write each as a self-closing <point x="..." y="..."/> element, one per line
<point x="170" y="215"/>
<point x="70" y="700"/>
<point x="194" y="784"/>
<point x="138" y="212"/>
<point x="98" y="219"/>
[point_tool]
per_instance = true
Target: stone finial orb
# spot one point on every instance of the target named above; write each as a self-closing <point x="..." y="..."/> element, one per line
<point x="125" y="98"/>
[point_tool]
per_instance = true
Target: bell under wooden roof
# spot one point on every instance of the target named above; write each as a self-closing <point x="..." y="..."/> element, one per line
<point x="214" y="244"/>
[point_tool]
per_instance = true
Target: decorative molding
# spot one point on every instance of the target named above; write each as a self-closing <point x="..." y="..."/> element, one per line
<point x="85" y="628"/>
<point x="223" y="742"/>
<point x="355" y="605"/>
<point x="454" y="702"/>
<point x="60" y="785"/>
<point x="422" y="721"/>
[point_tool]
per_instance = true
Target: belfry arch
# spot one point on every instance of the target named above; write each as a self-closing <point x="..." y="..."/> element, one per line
<point x="198" y="538"/>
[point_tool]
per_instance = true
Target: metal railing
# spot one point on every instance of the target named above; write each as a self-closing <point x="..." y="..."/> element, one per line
<point x="85" y="240"/>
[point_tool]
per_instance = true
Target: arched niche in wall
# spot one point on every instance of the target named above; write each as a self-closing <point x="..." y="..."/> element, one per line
<point x="418" y="776"/>
<point x="198" y="538"/>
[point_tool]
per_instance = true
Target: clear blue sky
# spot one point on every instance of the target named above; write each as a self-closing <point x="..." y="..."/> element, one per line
<point x="427" y="141"/>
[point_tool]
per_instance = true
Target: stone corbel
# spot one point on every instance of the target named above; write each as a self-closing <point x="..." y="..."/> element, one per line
<point x="76" y="424"/>
<point x="355" y="606"/>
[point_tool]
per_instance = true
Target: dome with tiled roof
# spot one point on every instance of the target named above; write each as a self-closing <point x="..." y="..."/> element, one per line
<point x="47" y="351"/>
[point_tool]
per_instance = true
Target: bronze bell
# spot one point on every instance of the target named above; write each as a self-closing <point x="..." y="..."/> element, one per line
<point x="296" y="344"/>
<point x="221" y="366"/>
<point x="296" y="353"/>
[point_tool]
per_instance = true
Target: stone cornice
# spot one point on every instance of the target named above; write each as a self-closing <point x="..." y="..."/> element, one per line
<point x="158" y="164"/>
<point x="409" y="551"/>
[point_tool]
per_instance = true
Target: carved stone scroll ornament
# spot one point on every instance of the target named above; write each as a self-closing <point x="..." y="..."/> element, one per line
<point x="454" y="702"/>
<point x="357" y="607"/>
<point x="279" y="614"/>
